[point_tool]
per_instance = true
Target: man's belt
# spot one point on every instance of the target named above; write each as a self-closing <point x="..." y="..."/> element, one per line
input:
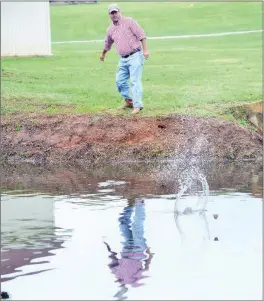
<point x="125" y="56"/>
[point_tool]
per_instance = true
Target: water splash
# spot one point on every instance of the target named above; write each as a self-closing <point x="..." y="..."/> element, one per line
<point x="189" y="209"/>
<point x="190" y="180"/>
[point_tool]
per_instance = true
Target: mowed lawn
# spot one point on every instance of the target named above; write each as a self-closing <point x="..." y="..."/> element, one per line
<point x="194" y="75"/>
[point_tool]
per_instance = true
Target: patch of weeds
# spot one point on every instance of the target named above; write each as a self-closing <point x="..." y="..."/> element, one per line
<point x="229" y="117"/>
<point x="244" y="123"/>
<point x="18" y="127"/>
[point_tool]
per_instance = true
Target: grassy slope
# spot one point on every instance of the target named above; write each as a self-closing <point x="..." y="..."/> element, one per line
<point x="206" y="72"/>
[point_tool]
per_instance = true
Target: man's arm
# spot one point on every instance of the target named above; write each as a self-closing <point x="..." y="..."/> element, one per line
<point x="102" y="57"/>
<point x="139" y="32"/>
<point x="113" y="254"/>
<point x="107" y="46"/>
<point x="145" y="50"/>
<point x="148" y="261"/>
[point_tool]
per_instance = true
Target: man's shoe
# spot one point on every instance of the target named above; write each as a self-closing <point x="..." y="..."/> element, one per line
<point x="128" y="104"/>
<point x="136" y="110"/>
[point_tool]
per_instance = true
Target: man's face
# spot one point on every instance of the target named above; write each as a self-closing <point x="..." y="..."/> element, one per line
<point x="115" y="16"/>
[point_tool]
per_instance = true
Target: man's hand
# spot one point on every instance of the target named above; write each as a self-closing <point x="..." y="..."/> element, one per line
<point x="146" y="54"/>
<point x="102" y="57"/>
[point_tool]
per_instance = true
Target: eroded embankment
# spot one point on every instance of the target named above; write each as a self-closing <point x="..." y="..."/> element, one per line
<point x="102" y="138"/>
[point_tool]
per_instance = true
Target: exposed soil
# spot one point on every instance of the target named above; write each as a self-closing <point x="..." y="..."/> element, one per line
<point x="105" y="138"/>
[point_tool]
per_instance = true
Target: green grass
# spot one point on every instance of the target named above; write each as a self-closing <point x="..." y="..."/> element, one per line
<point x="205" y="72"/>
<point x="86" y="22"/>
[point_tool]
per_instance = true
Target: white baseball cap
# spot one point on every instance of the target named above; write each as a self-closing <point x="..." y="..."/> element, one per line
<point x="113" y="7"/>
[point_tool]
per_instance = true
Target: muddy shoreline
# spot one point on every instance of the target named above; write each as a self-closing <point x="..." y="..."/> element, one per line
<point x="141" y="178"/>
<point x="92" y="139"/>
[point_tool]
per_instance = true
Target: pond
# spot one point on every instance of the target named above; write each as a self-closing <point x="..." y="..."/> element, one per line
<point x="132" y="231"/>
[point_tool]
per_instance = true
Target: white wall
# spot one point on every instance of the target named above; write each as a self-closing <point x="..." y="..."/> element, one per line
<point x="25" y="28"/>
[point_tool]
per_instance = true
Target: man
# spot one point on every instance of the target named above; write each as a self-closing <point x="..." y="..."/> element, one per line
<point x="135" y="254"/>
<point x="127" y="35"/>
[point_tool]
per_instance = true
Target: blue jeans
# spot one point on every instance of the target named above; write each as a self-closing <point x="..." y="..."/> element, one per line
<point x="133" y="232"/>
<point x="132" y="68"/>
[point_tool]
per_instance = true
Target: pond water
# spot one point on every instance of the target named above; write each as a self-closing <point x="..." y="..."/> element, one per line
<point x="132" y="232"/>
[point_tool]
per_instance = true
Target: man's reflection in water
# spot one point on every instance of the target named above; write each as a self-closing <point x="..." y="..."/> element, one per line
<point x="135" y="254"/>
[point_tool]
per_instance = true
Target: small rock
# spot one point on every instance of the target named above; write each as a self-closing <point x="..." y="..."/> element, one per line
<point x="216" y="239"/>
<point x="215" y="216"/>
<point x="4" y="295"/>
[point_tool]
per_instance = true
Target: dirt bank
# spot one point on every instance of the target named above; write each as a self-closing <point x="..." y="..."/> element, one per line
<point x="102" y="138"/>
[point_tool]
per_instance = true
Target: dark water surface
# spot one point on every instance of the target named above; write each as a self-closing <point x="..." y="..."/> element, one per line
<point x="112" y="232"/>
